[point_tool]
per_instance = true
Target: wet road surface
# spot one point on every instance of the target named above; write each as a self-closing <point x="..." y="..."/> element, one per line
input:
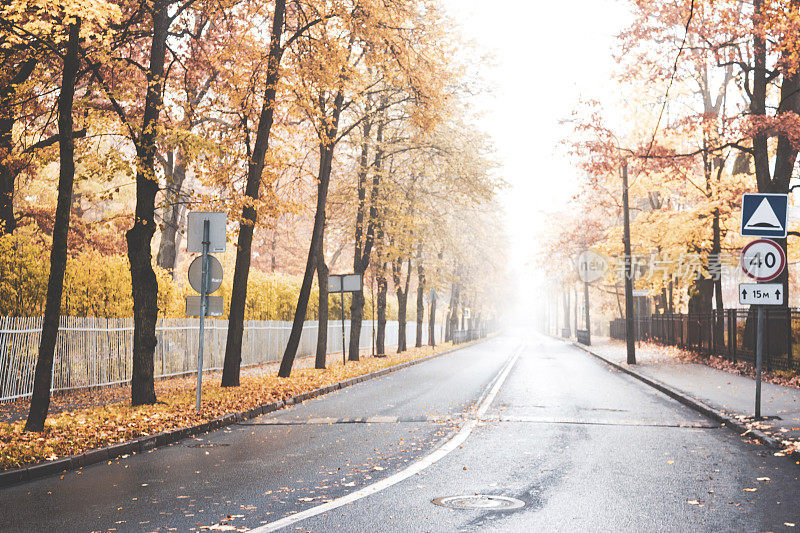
<point x="585" y="448"/>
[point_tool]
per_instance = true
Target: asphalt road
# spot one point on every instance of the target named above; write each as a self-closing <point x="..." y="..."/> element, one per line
<point x="584" y="447"/>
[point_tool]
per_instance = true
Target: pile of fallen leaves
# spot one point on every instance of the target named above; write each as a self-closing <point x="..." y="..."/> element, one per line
<point x="80" y="430"/>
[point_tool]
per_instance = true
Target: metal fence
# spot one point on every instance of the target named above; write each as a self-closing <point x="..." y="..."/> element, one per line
<point x="730" y="334"/>
<point x="94" y="352"/>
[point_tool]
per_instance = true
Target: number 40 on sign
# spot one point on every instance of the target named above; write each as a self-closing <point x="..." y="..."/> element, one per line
<point x="763" y="260"/>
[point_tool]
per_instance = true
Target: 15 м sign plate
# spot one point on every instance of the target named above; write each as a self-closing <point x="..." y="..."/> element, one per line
<point x="763" y="260"/>
<point x="761" y="294"/>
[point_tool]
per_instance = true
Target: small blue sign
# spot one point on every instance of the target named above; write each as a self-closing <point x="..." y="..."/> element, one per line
<point x="764" y="214"/>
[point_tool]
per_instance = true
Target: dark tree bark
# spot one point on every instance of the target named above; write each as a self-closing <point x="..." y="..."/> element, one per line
<point x="175" y="169"/>
<point x="139" y="237"/>
<point x="452" y="318"/>
<point x="420" y="296"/>
<point x="255" y="168"/>
<point x="364" y="240"/>
<point x="432" y="321"/>
<point x="326" y="148"/>
<point x="380" y="334"/>
<point x="785" y="156"/>
<point x="43" y="377"/>
<point x="8" y="93"/>
<point x="716" y="263"/>
<point x="322" y="330"/>
<point x="402" y="301"/>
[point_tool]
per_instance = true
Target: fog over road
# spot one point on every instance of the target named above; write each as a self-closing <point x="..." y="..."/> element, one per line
<point x="584" y="447"/>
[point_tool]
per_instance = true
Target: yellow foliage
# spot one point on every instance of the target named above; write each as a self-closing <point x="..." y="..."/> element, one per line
<point x="78" y="431"/>
<point x="23" y="273"/>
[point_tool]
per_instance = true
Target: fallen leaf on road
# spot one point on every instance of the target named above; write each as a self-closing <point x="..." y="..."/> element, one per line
<point x="750" y="490"/>
<point x="670" y="462"/>
<point x="788" y="524"/>
<point x="693" y="502"/>
<point x="762" y="479"/>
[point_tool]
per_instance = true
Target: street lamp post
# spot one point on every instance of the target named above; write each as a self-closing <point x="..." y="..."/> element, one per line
<point x="626" y="241"/>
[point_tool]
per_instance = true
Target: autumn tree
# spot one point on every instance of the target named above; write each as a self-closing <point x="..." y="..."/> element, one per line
<point x="374" y="34"/>
<point x="59" y="31"/>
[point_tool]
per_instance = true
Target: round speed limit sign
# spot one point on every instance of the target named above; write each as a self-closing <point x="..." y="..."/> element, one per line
<point x="763" y="260"/>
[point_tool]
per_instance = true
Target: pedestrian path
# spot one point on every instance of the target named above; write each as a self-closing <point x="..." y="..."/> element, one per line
<point x="724" y="391"/>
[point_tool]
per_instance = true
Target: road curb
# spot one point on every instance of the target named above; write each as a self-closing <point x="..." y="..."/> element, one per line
<point x="151" y="442"/>
<point x="691" y="402"/>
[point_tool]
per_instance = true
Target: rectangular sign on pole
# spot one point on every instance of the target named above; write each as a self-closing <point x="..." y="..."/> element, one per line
<point x="761" y="294"/>
<point x="345" y="283"/>
<point x="764" y="215"/>
<point x="193" y="305"/>
<point x="217" y="231"/>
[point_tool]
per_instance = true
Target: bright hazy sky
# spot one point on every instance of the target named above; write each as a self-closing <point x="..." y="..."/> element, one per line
<point x="548" y="55"/>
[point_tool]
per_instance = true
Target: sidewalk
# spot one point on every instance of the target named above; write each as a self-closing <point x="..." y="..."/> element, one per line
<point x="729" y="393"/>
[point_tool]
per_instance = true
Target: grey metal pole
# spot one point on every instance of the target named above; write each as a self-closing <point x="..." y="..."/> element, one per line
<point x="341" y="303"/>
<point x="759" y="358"/>
<point x="203" y="309"/>
<point x="586" y="311"/>
<point x="630" y="331"/>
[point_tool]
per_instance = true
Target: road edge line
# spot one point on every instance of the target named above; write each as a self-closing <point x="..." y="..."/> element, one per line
<point x="442" y="451"/>
<point x="689" y="401"/>
<point x="9" y="478"/>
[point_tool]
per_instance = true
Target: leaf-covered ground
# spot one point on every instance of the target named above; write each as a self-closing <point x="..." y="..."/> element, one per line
<point x="82" y="428"/>
<point x="742" y="368"/>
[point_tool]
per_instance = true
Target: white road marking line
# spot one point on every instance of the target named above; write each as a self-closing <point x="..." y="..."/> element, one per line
<point x="415" y="468"/>
<point x="382" y="419"/>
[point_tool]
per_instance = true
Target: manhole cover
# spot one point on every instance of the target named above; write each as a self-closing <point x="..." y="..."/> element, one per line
<point x="488" y="502"/>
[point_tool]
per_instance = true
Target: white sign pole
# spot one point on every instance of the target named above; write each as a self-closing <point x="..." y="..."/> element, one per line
<point x="203" y="309"/>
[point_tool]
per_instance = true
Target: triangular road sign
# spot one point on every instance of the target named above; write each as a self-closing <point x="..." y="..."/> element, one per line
<point x="764" y="218"/>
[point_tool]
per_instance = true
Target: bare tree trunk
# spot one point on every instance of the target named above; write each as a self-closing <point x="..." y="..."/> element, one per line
<point x="255" y="168"/>
<point x="380" y="335"/>
<point x="716" y="263"/>
<point x="174" y="209"/>
<point x="360" y="262"/>
<point x="8" y="94"/>
<point x="432" y="320"/>
<point x="139" y="237"/>
<point x="322" y="330"/>
<point x="43" y="377"/>
<point x="420" y="297"/>
<point x="452" y="320"/>
<point x="402" y="301"/>
<point x="370" y="217"/>
<point x="327" y="146"/>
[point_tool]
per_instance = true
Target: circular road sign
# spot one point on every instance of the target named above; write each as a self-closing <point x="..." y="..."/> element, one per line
<point x="763" y="260"/>
<point x="591" y="265"/>
<point x="214" y="270"/>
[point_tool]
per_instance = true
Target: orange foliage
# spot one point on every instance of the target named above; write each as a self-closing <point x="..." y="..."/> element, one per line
<point x="80" y="430"/>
